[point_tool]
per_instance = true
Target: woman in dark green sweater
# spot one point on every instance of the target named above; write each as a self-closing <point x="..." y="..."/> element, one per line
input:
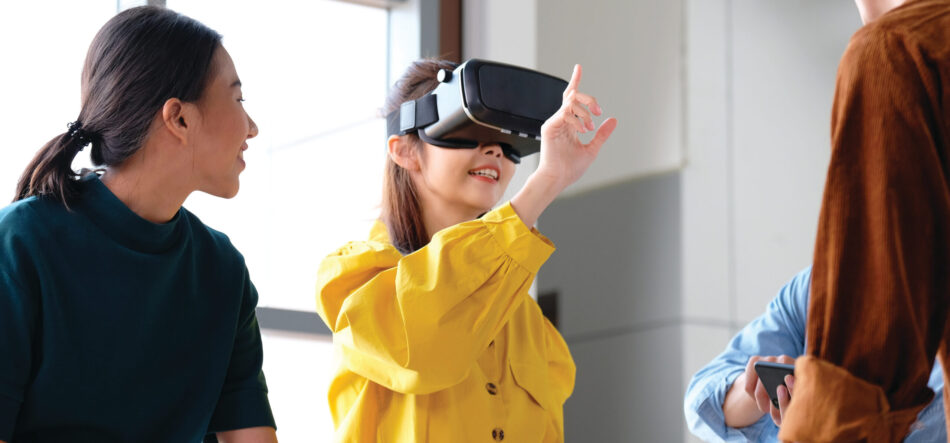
<point x="122" y="316"/>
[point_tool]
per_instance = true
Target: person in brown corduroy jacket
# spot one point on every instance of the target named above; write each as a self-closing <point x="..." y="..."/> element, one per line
<point x="881" y="280"/>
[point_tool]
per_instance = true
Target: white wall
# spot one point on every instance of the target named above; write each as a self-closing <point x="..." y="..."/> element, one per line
<point x="759" y="85"/>
<point x="500" y="30"/>
<point x="760" y="80"/>
<point x="631" y="51"/>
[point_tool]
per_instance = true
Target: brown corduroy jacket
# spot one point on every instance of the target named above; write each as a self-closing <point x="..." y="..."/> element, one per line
<point x="880" y="294"/>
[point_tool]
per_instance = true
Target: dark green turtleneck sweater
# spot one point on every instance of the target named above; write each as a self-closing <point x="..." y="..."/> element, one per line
<point x="113" y="328"/>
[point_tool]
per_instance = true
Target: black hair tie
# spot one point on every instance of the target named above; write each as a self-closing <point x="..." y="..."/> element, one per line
<point x="78" y="135"/>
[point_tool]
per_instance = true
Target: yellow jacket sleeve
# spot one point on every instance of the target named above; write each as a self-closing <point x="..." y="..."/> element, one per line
<point x="415" y="324"/>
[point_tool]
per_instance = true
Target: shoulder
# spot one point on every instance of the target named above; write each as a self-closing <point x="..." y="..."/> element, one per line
<point x="26" y="228"/>
<point x="25" y="213"/>
<point x="358" y="260"/>
<point x="920" y="27"/>
<point x="209" y="240"/>
<point x="368" y="252"/>
<point x="794" y="295"/>
<point x="31" y="219"/>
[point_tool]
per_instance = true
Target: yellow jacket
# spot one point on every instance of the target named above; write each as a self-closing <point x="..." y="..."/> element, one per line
<point x="444" y="344"/>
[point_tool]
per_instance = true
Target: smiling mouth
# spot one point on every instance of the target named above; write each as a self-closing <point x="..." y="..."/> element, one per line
<point x="484" y="172"/>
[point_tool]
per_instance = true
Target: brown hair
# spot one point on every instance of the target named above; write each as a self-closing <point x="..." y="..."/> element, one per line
<point x="139" y="59"/>
<point x="401" y="211"/>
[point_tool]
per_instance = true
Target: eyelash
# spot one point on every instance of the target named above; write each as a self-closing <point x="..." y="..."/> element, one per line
<point x="241" y="100"/>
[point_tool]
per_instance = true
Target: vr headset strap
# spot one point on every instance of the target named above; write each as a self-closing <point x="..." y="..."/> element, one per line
<point x="412" y="115"/>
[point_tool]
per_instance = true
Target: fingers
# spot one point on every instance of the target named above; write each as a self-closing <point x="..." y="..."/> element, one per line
<point x="783" y="399"/>
<point x="790" y="382"/>
<point x="573" y="109"/>
<point x="575" y="80"/>
<point x="751" y="378"/>
<point x="588" y="101"/>
<point x="579" y="105"/>
<point x="573" y="120"/>
<point x="603" y="133"/>
<point x="583" y="115"/>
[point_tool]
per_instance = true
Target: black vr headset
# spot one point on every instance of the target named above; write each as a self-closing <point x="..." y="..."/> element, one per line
<point x="483" y="102"/>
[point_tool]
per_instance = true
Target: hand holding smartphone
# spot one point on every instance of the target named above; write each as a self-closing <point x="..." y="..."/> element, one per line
<point x="762" y="377"/>
<point x="772" y="376"/>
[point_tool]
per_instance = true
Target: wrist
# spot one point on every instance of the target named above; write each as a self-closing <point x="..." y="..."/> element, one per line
<point x="534" y="197"/>
<point x="550" y="185"/>
<point x="738" y="408"/>
<point x="550" y="180"/>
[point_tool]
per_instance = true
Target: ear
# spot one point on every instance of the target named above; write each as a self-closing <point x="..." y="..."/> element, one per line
<point x="178" y="118"/>
<point x="403" y="153"/>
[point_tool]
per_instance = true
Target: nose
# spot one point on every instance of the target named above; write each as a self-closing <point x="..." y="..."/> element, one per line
<point x="492" y="150"/>
<point x="251" y="127"/>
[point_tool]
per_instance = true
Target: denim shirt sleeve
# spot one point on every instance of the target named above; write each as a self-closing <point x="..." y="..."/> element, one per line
<point x="780" y="330"/>
<point x="931" y="424"/>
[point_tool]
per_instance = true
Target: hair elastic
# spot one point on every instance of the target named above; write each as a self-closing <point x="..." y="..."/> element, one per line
<point x="78" y="134"/>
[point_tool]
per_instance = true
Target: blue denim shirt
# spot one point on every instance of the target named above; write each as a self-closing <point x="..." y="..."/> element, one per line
<point x="780" y="330"/>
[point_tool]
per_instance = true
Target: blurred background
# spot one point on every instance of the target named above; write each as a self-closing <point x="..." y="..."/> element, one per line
<point x="700" y="207"/>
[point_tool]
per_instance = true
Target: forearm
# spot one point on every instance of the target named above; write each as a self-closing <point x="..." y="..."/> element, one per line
<point x="738" y="407"/>
<point x="538" y="192"/>
<point x="263" y="434"/>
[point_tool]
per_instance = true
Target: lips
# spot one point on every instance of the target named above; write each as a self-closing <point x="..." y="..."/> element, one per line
<point x="486" y="173"/>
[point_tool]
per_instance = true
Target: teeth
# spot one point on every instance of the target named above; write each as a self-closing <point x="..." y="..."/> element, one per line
<point x="486" y="173"/>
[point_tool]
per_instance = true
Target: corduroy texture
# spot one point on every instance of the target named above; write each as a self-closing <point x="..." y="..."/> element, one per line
<point x="881" y="283"/>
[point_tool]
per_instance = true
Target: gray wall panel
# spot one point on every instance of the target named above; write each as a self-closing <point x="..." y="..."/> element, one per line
<point x="628" y="389"/>
<point x="617" y="264"/>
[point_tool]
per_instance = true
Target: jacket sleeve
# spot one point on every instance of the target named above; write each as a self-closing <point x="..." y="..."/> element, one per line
<point x="415" y="324"/>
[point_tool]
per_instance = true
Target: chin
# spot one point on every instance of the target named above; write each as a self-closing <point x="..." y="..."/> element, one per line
<point x="228" y="192"/>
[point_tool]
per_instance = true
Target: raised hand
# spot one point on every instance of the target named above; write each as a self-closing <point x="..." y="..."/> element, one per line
<point x="563" y="157"/>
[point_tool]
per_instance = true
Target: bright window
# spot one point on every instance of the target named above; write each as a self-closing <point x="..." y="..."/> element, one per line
<point x="42" y="45"/>
<point x="313" y="76"/>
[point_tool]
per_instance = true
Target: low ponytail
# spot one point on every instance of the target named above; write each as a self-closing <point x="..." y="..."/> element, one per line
<point x="50" y="172"/>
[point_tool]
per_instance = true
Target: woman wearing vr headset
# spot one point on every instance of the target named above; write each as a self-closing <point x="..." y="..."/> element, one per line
<point x="437" y="336"/>
<point x="122" y="316"/>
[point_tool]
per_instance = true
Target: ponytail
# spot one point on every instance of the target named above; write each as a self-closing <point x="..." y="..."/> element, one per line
<point x="401" y="211"/>
<point x="50" y="172"/>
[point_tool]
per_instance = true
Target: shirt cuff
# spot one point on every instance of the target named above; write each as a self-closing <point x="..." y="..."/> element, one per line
<point x="525" y="246"/>
<point x="246" y="408"/>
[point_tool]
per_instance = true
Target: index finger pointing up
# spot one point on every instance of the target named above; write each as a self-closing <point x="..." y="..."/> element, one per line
<point x="575" y="80"/>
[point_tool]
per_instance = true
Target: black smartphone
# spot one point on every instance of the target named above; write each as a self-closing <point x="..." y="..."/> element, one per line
<point x="773" y="375"/>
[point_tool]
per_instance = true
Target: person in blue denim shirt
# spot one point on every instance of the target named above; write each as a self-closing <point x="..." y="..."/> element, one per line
<point x="776" y="335"/>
